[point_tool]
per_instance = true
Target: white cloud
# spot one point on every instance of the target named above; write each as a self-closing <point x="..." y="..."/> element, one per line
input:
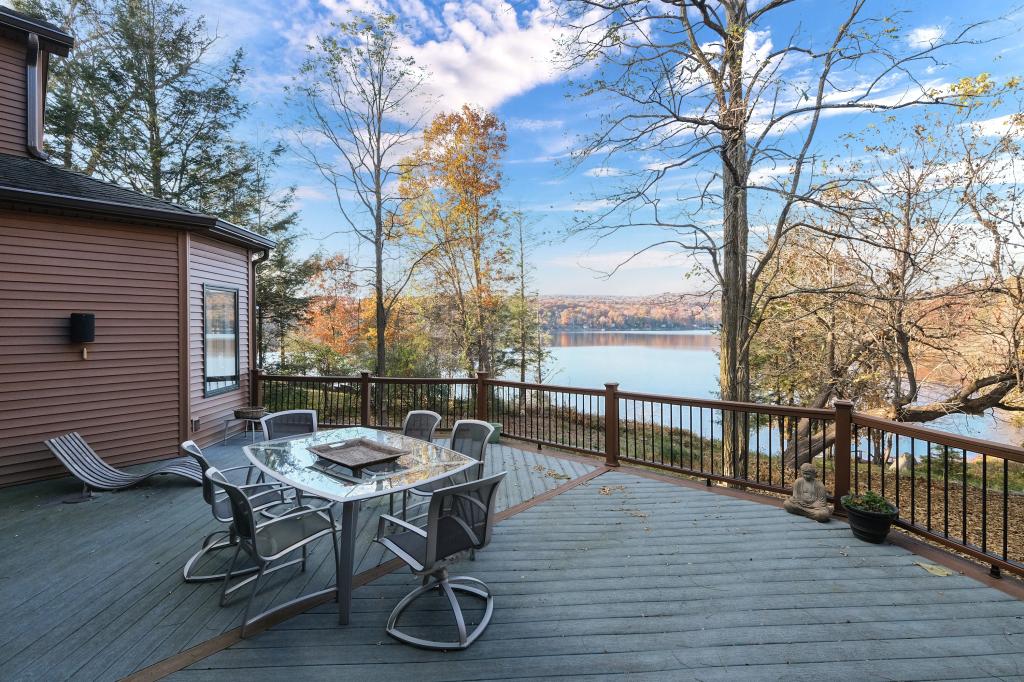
<point x="603" y="172"/>
<point x="310" y="193"/>
<point x="925" y="36"/>
<point x="994" y="127"/>
<point x="486" y="52"/>
<point x="535" y="124"/>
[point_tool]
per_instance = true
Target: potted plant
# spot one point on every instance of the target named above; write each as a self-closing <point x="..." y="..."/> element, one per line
<point x="870" y="515"/>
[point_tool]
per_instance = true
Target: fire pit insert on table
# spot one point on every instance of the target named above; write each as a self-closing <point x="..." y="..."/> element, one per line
<point x="358" y="453"/>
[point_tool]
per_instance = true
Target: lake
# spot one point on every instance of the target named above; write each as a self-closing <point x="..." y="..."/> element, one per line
<point x="684" y="363"/>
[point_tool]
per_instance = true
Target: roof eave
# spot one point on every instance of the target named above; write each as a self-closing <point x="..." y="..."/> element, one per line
<point x="55" y="41"/>
<point x="220" y="229"/>
<point x="231" y="232"/>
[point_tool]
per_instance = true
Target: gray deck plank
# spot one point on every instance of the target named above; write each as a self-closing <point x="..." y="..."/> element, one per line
<point x="661" y="582"/>
<point x="94" y="591"/>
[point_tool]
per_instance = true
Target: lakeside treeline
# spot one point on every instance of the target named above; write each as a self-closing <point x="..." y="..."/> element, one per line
<point x="627" y="313"/>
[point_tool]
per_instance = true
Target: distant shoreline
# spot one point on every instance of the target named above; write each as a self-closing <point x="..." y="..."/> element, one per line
<point x="577" y="330"/>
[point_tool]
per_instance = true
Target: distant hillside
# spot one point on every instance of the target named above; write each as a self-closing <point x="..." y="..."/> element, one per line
<point x="625" y="313"/>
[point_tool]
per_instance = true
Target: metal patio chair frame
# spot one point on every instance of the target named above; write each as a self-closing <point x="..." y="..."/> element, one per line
<point x="445" y="507"/>
<point x="266" y="421"/>
<point x="413" y="415"/>
<point x="95" y="474"/>
<point x="262" y="495"/>
<point x="479" y="453"/>
<point x="248" y="531"/>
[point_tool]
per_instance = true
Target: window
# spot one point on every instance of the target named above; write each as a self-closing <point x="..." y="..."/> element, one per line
<point x="220" y="339"/>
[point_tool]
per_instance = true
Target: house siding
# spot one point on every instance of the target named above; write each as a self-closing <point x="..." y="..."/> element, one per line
<point x="12" y="97"/>
<point x="215" y="263"/>
<point x="125" y="397"/>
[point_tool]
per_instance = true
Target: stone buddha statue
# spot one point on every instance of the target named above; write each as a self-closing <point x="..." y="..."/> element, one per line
<point x="809" y="496"/>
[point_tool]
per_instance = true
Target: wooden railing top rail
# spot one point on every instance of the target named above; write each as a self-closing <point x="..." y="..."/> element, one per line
<point x="968" y="443"/>
<point x="300" y="378"/>
<point x="553" y="388"/>
<point x="732" y="405"/>
<point x="356" y="379"/>
<point x="421" y="381"/>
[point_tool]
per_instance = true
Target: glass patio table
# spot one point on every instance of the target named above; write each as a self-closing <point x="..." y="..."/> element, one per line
<point x="290" y="461"/>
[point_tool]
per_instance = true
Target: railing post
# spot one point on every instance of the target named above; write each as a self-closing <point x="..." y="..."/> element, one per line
<point x="841" y="451"/>
<point x="364" y="398"/>
<point x="482" y="411"/>
<point x="254" y="387"/>
<point x="611" y="424"/>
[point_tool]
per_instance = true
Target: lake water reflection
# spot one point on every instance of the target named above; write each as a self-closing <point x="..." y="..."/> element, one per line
<point x="684" y="363"/>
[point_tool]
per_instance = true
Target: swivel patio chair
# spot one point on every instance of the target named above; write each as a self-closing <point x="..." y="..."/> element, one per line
<point x="262" y="496"/>
<point x="469" y="437"/>
<point x="85" y="465"/>
<point x="421" y="424"/>
<point x="459" y="521"/>
<point x="268" y="542"/>
<point x="288" y="423"/>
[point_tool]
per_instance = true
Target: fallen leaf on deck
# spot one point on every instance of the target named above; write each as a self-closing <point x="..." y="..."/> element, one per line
<point x="934" y="569"/>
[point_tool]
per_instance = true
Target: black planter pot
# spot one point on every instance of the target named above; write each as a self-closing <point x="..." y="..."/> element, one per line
<point x="869" y="526"/>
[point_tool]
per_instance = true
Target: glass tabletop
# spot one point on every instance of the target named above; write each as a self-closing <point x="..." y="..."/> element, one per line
<point x="290" y="461"/>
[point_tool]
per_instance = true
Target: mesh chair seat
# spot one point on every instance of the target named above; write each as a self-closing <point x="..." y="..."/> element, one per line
<point x="452" y="539"/>
<point x="268" y="542"/>
<point x="289" y="423"/>
<point x="262" y="496"/>
<point x="469" y="437"/>
<point x="288" y="531"/>
<point x="421" y="424"/>
<point x="459" y="520"/>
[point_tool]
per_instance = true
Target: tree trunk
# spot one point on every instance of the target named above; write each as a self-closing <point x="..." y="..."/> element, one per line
<point x="734" y="369"/>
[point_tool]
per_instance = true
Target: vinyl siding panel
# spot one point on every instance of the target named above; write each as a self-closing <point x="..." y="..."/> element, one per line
<point x="125" y="397"/>
<point x="12" y="97"/>
<point x="215" y="263"/>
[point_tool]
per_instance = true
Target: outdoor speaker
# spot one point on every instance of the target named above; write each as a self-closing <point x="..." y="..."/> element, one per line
<point x="83" y="328"/>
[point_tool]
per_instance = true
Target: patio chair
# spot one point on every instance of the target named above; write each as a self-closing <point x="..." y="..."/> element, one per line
<point x="85" y="465"/>
<point x="459" y="521"/>
<point x="421" y="424"/>
<point x="469" y="437"/>
<point x="288" y="423"/>
<point x="262" y="496"/>
<point x="268" y="542"/>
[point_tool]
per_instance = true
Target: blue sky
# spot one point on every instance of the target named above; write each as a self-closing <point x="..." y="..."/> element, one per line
<point x="499" y="55"/>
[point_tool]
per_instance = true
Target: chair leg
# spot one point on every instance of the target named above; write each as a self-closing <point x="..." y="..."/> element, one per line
<point x="208" y="547"/>
<point x="252" y="596"/>
<point x="449" y="586"/>
<point x="227" y="576"/>
<point x="460" y="621"/>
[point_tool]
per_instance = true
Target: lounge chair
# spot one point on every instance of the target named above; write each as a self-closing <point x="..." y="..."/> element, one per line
<point x="85" y="465"/>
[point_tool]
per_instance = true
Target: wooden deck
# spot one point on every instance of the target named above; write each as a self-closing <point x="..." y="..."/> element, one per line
<point x="93" y="591"/>
<point x="629" y="576"/>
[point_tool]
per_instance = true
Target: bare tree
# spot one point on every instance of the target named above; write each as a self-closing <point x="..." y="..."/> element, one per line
<point x="359" y="97"/>
<point x="910" y="295"/>
<point x="697" y="88"/>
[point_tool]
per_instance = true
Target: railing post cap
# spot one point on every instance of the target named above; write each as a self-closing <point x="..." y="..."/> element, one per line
<point x="611" y="384"/>
<point x="482" y="375"/>
<point x="843" y="404"/>
<point x="364" y="374"/>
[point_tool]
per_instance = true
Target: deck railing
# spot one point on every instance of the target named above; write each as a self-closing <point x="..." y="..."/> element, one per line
<point x="958" y="491"/>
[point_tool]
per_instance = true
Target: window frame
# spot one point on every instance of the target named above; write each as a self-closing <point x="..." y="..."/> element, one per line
<point x="237" y="385"/>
